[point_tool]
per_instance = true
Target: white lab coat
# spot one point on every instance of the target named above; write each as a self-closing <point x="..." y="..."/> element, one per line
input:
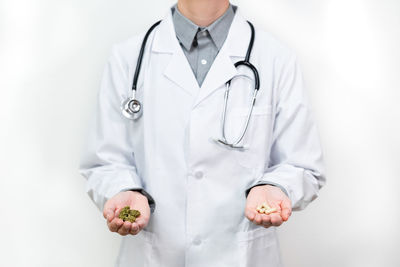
<point x="199" y="186"/>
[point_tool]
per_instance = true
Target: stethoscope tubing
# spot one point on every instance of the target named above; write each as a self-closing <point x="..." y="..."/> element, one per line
<point x="126" y="107"/>
<point x="253" y="69"/>
<point x="246" y="63"/>
<point x="140" y="57"/>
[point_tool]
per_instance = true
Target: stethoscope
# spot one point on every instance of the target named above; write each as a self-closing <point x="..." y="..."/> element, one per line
<point x="132" y="108"/>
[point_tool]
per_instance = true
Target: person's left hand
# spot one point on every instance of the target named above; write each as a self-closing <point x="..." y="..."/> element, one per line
<point x="275" y="198"/>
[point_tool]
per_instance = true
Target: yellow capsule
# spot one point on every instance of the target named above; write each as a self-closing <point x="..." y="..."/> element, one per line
<point x="271" y="210"/>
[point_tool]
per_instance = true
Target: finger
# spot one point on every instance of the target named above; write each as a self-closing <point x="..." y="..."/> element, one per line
<point x="125" y="228"/>
<point x="110" y="216"/>
<point x="142" y="222"/>
<point x="115" y="224"/>
<point x="116" y="214"/>
<point x="250" y="213"/>
<point x="258" y="219"/>
<point x="135" y="228"/>
<point x="117" y="210"/>
<point x="144" y="212"/>
<point x="266" y="220"/>
<point x="266" y="224"/>
<point x="286" y="209"/>
<point x="276" y="219"/>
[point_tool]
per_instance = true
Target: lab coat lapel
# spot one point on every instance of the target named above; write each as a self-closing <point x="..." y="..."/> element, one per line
<point x="222" y="70"/>
<point x="178" y="69"/>
<point x="233" y="50"/>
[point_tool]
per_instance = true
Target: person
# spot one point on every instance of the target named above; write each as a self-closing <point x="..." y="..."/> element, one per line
<point x="198" y="197"/>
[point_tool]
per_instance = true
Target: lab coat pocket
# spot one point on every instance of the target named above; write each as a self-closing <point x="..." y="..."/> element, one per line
<point x="161" y="252"/>
<point x="136" y="250"/>
<point x="148" y="251"/>
<point x="259" y="248"/>
<point x="256" y="139"/>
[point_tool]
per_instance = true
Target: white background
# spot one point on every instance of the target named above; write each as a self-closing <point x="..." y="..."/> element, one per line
<point x="52" y="54"/>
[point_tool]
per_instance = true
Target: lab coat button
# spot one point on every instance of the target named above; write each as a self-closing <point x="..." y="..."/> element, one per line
<point x="199" y="174"/>
<point x="197" y="241"/>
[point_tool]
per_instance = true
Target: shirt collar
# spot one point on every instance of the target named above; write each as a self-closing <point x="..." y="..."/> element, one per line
<point x="186" y="30"/>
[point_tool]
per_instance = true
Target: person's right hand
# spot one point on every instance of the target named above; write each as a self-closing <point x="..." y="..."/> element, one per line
<point x="127" y="198"/>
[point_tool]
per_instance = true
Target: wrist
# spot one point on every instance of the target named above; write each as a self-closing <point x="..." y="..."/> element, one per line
<point x="262" y="187"/>
<point x="141" y="193"/>
<point x="137" y="194"/>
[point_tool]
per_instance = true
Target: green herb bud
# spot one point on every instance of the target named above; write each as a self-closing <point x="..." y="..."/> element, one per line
<point x="126" y="214"/>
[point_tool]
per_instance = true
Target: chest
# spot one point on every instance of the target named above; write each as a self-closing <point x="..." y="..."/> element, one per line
<point x="179" y="114"/>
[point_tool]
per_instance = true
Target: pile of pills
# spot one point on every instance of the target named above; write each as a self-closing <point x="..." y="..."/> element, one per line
<point x="265" y="208"/>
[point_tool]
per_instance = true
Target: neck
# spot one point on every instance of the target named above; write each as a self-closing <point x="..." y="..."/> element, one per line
<point x="203" y="12"/>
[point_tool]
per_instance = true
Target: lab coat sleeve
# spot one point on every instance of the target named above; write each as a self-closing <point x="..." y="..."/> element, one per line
<point x="296" y="159"/>
<point x="107" y="160"/>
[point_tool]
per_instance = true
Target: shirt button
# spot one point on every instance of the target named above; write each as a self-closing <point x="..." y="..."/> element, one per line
<point x="197" y="241"/>
<point x="203" y="61"/>
<point x="204" y="33"/>
<point x="198" y="174"/>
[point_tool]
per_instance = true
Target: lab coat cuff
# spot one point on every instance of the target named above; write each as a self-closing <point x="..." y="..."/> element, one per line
<point x="150" y="199"/>
<point x="269" y="183"/>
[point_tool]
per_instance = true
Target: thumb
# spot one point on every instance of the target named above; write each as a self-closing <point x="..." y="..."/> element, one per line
<point x="109" y="210"/>
<point x="286" y="209"/>
<point x="145" y="213"/>
<point x="250" y="214"/>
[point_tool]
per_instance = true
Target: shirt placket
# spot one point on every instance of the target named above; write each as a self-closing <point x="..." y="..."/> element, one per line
<point x="204" y="55"/>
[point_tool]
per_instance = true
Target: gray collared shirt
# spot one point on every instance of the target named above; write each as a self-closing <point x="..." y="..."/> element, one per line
<point x="201" y="44"/>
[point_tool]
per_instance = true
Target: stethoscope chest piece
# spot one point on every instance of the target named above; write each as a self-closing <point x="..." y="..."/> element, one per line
<point x="131" y="108"/>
